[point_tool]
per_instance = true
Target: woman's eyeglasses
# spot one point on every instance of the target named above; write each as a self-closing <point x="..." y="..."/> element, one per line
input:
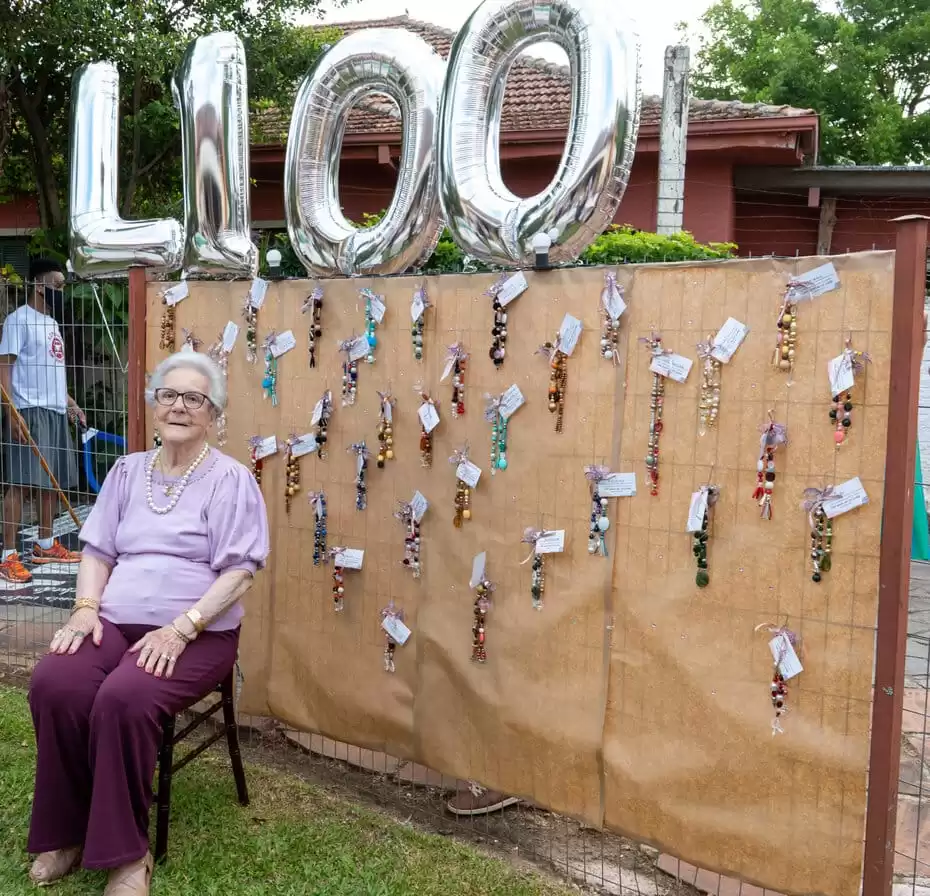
<point x="193" y="401"/>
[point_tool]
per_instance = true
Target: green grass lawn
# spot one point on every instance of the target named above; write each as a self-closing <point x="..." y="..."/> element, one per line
<point x="293" y="839"/>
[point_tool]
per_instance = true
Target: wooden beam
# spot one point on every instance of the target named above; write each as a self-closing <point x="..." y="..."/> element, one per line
<point x="135" y="380"/>
<point x="827" y="223"/>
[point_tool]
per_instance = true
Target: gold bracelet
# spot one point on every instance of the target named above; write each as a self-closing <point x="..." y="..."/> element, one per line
<point x="196" y="620"/>
<point x="86" y="603"/>
<point x="185" y="638"/>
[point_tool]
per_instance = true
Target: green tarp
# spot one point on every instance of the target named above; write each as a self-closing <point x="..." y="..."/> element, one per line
<point x="920" y="535"/>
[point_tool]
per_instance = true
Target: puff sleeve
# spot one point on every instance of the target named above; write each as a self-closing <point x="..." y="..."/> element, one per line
<point x="98" y="533"/>
<point x="237" y="523"/>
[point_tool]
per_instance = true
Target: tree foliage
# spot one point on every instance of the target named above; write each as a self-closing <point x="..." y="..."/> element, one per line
<point x="863" y="64"/>
<point x="42" y="42"/>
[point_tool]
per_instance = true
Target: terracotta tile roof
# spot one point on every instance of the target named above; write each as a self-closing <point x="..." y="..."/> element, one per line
<point x="537" y="96"/>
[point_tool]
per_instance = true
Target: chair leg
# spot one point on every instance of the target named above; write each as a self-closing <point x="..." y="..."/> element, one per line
<point x="163" y="799"/>
<point x="232" y="738"/>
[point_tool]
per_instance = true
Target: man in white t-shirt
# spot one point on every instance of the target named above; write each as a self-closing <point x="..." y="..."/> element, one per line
<point x="32" y="370"/>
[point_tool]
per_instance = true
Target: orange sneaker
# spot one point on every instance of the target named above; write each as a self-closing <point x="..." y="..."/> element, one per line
<point x="57" y="553"/>
<point x="12" y="570"/>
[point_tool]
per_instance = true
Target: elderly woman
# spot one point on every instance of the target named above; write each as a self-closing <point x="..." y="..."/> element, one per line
<point x="170" y="548"/>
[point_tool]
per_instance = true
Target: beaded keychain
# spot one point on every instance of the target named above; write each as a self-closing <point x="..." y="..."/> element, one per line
<point x="339" y="589"/>
<point x="321" y="415"/>
<point x="256" y="461"/>
<point x="361" y="487"/>
<point x="657" y="400"/>
<point x="482" y="604"/>
<point x="786" y="340"/>
<point x="168" y="321"/>
<point x="390" y="645"/>
<point x="821" y="529"/>
<point x="374" y="314"/>
<point x="462" y="489"/>
<point x="426" y="437"/>
<point x="841" y="409"/>
<point x="612" y="306"/>
<point x="292" y="471"/>
<point x="220" y="355"/>
<point x="318" y="503"/>
<point x="498" y="350"/>
<point x="538" y="577"/>
<point x="456" y="362"/>
<point x="349" y="372"/>
<point x="250" y="314"/>
<point x="418" y="316"/>
<point x="498" y="421"/>
<point x="700" y="538"/>
<point x="270" y="380"/>
<point x="773" y="435"/>
<point x="599" y="521"/>
<point x="786" y="648"/>
<point x="411" y="537"/>
<point x="558" y="378"/>
<point x="314" y="305"/>
<point x="709" y="405"/>
<point x="385" y="428"/>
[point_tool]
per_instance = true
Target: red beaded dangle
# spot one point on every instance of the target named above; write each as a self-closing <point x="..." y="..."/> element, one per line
<point x="773" y="435"/>
<point x="456" y="362"/>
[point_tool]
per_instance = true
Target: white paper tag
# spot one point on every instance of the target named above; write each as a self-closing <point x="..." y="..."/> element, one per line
<point x="613" y="302"/>
<point x="377" y="307"/>
<point x="468" y="473"/>
<point x="429" y="416"/>
<point x="675" y="367"/>
<point x="417" y="307"/>
<point x="175" y="293"/>
<point x="257" y="292"/>
<point x="88" y="434"/>
<point x="511" y="401"/>
<point x="551" y="542"/>
<point x="814" y="283"/>
<point x="267" y="447"/>
<point x="569" y="333"/>
<point x="396" y="629"/>
<point x="350" y="558"/>
<point x="359" y="349"/>
<point x="419" y="505"/>
<point x="317" y="413"/>
<point x="784" y="654"/>
<point x="477" y="569"/>
<point x="845" y="497"/>
<point x="617" y="485"/>
<point x="728" y="339"/>
<point x="841" y="374"/>
<point x="305" y="444"/>
<point x="513" y="287"/>
<point x="230" y="335"/>
<point x="450" y="363"/>
<point x="697" y="510"/>
<point x="283" y="343"/>
<point x="187" y="347"/>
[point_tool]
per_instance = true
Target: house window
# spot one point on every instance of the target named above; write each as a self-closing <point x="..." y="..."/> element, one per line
<point x="14" y="251"/>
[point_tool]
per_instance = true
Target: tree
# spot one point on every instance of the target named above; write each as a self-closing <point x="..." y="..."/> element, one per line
<point x="42" y="42"/>
<point x="865" y="67"/>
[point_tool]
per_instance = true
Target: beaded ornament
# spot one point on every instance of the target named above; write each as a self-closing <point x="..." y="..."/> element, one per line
<point x="270" y="379"/>
<point x="778" y="690"/>
<point x="313" y="305"/>
<point x="610" y="326"/>
<point x="456" y="362"/>
<point x="168" y="321"/>
<point x="498" y="350"/>
<point x="339" y="589"/>
<point x="482" y="604"/>
<point x="374" y="314"/>
<point x="320" y="420"/>
<point x="318" y="503"/>
<point x="349" y="372"/>
<point x="538" y="575"/>
<point x="841" y="408"/>
<point x="292" y="471"/>
<point x="786" y="339"/>
<point x="385" y="428"/>
<point x="773" y="435"/>
<point x="411" y="560"/>
<point x="709" y="405"/>
<point x="492" y="413"/>
<point x="256" y="462"/>
<point x="361" y="466"/>
<point x="821" y="529"/>
<point x="220" y="355"/>
<point x="418" y="317"/>
<point x="390" y="645"/>
<point x="426" y="438"/>
<point x="558" y="379"/>
<point x="700" y="538"/>
<point x="462" y="489"/>
<point x="250" y="314"/>
<point x="657" y="399"/>
<point x="599" y="521"/>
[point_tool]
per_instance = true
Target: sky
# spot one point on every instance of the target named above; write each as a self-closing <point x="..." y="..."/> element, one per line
<point x="655" y="21"/>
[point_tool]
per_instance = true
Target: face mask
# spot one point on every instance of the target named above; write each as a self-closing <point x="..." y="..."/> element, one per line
<point x="55" y="301"/>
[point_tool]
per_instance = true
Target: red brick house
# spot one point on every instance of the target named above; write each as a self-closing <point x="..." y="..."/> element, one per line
<point x="751" y="175"/>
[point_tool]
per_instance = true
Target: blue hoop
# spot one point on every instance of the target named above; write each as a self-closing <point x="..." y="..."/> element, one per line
<point x="119" y="441"/>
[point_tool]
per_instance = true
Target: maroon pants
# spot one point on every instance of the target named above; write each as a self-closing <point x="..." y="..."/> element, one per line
<point x="98" y="721"/>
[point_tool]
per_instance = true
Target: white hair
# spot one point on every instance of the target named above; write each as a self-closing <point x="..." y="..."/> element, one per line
<point x="188" y="360"/>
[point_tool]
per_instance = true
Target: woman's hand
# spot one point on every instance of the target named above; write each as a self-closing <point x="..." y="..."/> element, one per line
<point x="70" y="637"/>
<point x="159" y="651"/>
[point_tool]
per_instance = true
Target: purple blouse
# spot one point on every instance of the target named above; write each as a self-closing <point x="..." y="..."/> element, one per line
<point x="164" y="563"/>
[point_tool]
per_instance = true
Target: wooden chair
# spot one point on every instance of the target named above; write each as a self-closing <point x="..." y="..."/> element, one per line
<point x="167" y="766"/>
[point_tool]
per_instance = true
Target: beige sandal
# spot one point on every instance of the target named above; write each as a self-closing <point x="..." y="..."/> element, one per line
<point x="131" y="880"/>
<point x="51" y="867"/>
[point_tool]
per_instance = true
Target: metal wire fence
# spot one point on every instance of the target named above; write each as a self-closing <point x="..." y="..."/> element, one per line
<point x="93" y="328"/>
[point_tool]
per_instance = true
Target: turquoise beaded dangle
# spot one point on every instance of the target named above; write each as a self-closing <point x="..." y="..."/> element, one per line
<point x="270" y="380"/>
<point x="498" y="423"/>
<point x="374" y="314"/>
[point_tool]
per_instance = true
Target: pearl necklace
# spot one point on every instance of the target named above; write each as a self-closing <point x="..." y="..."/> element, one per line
<point x="182" y="483"/>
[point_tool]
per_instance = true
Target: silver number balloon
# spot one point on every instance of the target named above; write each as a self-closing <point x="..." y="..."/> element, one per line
<point x="102" y="244"/>
<point x="486" y="219"/>
<point x="210" y="90"/>
<point x="378" y="60"/>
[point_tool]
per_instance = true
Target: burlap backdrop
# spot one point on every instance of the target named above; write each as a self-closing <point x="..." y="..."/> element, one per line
<point x="634" y="699"/>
